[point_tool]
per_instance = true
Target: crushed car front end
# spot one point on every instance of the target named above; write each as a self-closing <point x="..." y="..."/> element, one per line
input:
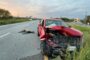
<point x="59" y="38"/>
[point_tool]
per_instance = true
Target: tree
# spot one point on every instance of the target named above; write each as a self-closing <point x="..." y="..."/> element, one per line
<point x="88" y="19"/>
<point x="66" y="19"/>
<point x="5" y="13"/>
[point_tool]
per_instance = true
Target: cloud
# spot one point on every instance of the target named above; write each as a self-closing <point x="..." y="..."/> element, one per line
<point x="20" y="9"/>
<point x="46" y="7"/>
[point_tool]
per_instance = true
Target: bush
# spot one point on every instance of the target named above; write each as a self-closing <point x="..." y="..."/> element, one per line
<point x="85" y="52"/>
<point x="13" y="20"/>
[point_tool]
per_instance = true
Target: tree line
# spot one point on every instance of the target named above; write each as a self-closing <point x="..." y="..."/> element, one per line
<point x="5" y="14"/>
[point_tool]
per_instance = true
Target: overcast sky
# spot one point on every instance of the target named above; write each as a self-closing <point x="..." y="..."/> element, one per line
<point x="47" y="8"/>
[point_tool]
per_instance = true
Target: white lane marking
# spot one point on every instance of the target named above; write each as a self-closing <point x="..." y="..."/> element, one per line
<point x="4" y="35"/>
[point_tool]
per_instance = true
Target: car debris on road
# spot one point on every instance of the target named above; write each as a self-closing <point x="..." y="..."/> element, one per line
<point x="26" y="31"/>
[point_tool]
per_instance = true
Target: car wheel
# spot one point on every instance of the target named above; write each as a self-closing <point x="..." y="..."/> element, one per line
<point x="44" y="48"/>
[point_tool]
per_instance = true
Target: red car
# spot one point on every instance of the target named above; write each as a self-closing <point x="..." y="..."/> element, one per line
<point x="57" y="37"/>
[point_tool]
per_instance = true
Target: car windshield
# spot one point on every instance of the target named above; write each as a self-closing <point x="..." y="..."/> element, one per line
<point x="50" y="23"/>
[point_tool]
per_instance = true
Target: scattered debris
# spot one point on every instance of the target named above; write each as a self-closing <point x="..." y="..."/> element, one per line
<point x="26" y="31"/>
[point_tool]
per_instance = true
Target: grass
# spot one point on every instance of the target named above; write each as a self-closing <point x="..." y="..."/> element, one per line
<point x="85" y="51"/>
<point x="13" y="20"/>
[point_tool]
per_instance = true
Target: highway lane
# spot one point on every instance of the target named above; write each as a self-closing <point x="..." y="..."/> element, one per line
<point x="19" y="46"/>
<point x="4" y="27"/>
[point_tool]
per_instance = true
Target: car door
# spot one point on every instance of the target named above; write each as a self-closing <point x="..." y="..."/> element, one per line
<point x="39" y="26"/>
<point x="41" y="29"/>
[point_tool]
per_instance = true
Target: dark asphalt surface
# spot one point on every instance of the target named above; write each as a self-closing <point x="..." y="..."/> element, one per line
<point x="15" y="45"/>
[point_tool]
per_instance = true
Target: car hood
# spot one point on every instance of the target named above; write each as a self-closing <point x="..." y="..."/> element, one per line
<point x="67" y="30"/>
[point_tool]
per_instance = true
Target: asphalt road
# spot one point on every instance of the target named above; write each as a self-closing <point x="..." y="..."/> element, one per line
<point x="15" y="45"/>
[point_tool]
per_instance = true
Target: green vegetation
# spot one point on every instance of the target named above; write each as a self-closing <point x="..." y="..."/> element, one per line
<point x="7" y="18"/>
<point x="12" y="20"/>
<point x="67" y="19"/>
<point x="5" y="14"/>
<point x="87" y="19"/>
<point x="85" y="51"/>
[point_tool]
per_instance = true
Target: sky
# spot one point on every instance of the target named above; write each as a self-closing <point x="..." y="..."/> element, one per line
<point x="47" y="8"/>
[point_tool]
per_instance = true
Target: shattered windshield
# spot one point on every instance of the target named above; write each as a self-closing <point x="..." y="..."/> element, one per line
<point x="55" y="23"/>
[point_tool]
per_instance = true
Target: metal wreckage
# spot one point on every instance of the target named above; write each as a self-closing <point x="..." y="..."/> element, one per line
<point x="57" y="38"/>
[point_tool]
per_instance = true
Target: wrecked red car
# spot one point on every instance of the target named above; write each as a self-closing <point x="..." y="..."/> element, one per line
<point x="57" y="37"/>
